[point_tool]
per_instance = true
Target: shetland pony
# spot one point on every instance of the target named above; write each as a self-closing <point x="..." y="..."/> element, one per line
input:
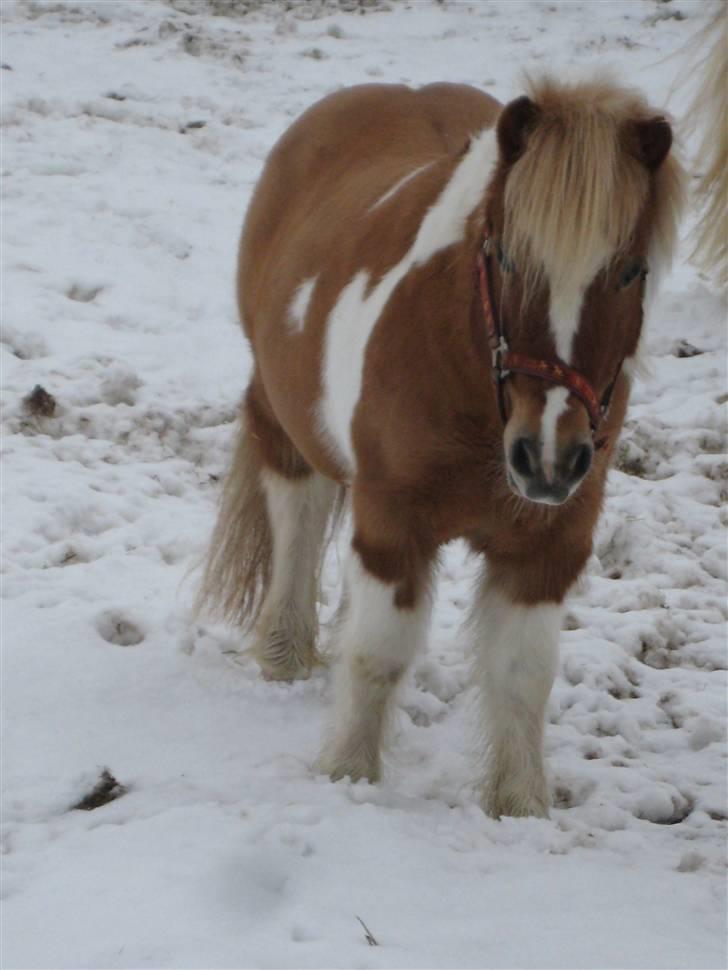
<point x="443" y="297"/>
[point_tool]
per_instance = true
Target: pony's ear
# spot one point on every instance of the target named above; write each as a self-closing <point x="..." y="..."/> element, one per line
<point x="650" y="141"/>
<point x="514" y="123"/>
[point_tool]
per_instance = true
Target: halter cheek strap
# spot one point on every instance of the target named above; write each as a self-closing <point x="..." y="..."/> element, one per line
<point x="506" y="361"/>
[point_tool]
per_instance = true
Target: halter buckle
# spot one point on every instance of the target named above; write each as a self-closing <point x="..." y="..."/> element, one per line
<point x="497" y="354"/>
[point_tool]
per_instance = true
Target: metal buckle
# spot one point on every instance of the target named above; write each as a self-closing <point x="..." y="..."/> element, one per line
<point x="497" y="354"/>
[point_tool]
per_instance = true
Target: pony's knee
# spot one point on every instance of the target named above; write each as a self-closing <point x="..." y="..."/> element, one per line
<point x="378" y="673"/>
<point x="403" y="570"/>
<point x="380" y="633"/>
<point x="541" y="579"/>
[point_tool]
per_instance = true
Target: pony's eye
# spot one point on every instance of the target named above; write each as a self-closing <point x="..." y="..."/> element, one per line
<point x="630" y="274"/>
<point x="503" y="261"/>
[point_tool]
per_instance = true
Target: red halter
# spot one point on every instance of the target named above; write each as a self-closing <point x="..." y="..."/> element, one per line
<point x="506" y="361"/>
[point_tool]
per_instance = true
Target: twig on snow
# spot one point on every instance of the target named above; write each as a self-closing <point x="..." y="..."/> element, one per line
<point x="369" y="936"/>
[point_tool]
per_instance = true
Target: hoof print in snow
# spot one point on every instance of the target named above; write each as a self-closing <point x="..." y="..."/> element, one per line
<point x="39" y="403"/>
<point x="572" y="796"/>
<point x="690" y="862"/>
<point x="83" y="294"/>
<point x="663" y="807"/>
<point x="191" y="126"/>
<point x="120" y="385"/>
<point x="107" y="789"/>
<point x="24" y="346"/>
<point x="683" y="348"/>
<point x="116" y="629"/>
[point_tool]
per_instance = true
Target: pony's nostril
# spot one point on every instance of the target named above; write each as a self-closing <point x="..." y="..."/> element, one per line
<point x="581" y="460"/>
<point x="523" y="458"/>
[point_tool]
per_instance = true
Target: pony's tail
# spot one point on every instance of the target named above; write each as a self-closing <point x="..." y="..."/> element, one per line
<point x="238" y="563"/>
<point x="710" y="109"/>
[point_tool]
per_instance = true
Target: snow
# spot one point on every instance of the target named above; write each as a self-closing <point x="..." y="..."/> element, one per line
<point x="133" y="133"/>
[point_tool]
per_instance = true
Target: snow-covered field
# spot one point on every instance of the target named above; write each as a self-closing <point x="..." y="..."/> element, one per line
<point x="133" y="133"/>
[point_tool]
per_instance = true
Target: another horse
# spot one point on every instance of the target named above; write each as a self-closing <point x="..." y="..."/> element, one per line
<point x="709" y="117"/>
<point x="443" y="298"/>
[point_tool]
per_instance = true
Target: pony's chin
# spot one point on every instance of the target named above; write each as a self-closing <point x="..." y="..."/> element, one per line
<point x="536" y="497"/>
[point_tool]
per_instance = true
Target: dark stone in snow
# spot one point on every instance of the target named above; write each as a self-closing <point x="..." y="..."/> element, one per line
<point x="40" y="402"/>
<point x="107" y="789"/>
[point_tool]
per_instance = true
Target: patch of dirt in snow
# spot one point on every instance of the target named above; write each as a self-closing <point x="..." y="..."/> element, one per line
<point x="311" y="10"/>
<point x="107" y="789"/>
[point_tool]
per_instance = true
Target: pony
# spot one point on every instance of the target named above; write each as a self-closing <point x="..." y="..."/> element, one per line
<point x="443" y="296"/>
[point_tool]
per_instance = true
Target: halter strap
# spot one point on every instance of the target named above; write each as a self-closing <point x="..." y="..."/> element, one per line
<point x="506" y="361"/>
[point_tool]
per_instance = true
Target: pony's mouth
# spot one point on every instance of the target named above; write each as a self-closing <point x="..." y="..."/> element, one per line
<point x="538" y="492"/>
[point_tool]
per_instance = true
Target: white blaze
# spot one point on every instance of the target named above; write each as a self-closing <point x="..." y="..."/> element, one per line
<point x="555" y="406"/>
<point x="565" y="308"/>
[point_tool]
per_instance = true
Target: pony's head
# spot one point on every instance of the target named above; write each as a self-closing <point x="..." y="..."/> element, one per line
<point x="583" y="204"/>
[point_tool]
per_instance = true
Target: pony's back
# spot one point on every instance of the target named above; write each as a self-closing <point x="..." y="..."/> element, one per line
<point x="335" y="162"/>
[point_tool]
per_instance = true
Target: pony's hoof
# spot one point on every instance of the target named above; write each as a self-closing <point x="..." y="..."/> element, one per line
<point x="286" y="675"/>
<point x="356" y="769"/>
<point x="287" y="665"/>
<point x="353" y="774"/>
<point x="515" y="805"/>
<point x="293" y="669"/>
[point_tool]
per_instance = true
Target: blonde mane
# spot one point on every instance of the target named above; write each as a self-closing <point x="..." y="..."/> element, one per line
<point x="573" y="199"/>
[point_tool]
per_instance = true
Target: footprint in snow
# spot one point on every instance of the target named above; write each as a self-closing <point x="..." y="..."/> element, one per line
<point x="83" y="294"/>
<point x="118" y="629"/>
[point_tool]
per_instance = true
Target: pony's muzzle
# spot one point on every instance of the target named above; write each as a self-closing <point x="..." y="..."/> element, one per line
<point x="542" y="481"/>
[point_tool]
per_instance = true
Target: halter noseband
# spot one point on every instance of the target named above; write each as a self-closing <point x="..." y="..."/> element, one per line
<point x="506" y="361"/>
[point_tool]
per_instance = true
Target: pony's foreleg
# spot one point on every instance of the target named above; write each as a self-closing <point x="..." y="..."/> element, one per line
<point x="285" y="634"/>
<point x="378" y="639"/>
<point x="517" y="657"/>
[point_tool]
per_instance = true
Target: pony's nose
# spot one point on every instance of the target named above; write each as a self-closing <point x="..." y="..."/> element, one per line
<point x="577" y="462"/>
<point x="542" y="482"/>
<point x="525" y="457"/>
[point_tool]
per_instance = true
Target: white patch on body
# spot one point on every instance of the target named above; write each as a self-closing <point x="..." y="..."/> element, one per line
<point x="299" y="305"/>
<point x="517" y="659"/>
<point x="355" y="314"/>
<point x="399" y="185"/>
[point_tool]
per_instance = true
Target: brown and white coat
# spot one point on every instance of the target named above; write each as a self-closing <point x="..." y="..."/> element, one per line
<point x="358" y="292"/>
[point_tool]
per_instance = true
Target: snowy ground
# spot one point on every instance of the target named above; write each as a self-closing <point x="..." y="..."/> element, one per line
<point x="133" y="134"/>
